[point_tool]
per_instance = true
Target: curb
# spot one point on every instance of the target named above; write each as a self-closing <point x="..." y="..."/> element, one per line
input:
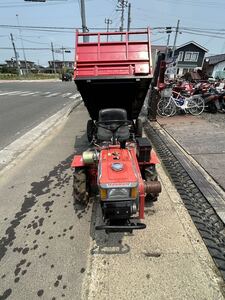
<point x="23" y="145"/>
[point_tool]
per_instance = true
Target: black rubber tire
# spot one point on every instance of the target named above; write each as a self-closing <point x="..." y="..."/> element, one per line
<point x="138" y="128"/>
<point x="80" y="192"/>
<point x="90" y="130"/>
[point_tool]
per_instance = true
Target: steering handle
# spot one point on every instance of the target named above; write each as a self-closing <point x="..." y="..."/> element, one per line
<point x="110" y="122"/>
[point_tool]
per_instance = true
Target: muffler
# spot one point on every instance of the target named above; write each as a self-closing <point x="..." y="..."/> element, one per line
<point x="152" y="187"/>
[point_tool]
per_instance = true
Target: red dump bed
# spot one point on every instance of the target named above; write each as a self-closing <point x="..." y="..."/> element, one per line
<point x="113" y="69"/>
<point x="106" y="55"/>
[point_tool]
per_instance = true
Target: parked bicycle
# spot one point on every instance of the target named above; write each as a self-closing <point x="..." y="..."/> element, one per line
<point x="168" y="106"/>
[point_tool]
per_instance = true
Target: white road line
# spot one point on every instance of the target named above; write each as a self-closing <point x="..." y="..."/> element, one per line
<point x="27" y="94"/>
<point x="66" y="95"/>
<point x="36" y="93"/>
<point x="9" y="93"/>
<point x="52" y="95"/>
<point x="24" y="92"/>
<point x="75" y="96"/>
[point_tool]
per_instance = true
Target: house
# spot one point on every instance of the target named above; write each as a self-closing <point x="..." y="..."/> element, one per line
<point x="187" y="57"/>
<point x="214" y="66"/>
<point x="25" y="66"/>
<point x="190" y="56"/>
<point x="59" y="65"/>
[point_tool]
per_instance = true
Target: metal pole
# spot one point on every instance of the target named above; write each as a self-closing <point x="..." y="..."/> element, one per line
<point x="16" y="56"/>
<point x="108" y="22"/>
<point x="167" y="45"/>
<point x="129" y="17"/>
<point x="154" y="92"/>
<point x="63" y="55"/>
<point x="121" y="5"/>
<point x="175" y="38"/>
<point x="53" y="57"/>
<point x="20" y="32"/>
<point x="83" y="19"/>
<point x="122" y="19"/>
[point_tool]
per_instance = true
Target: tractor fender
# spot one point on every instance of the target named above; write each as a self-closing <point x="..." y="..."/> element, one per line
<point x="154" y="158"/>
<point x="77" y="161"/>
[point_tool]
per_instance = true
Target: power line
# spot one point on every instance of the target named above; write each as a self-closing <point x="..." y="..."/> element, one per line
<point x="72" y="29"/>
<point x="211" y="4"/>
<point x="33" y="42"/>
<point x="202" y="34"/>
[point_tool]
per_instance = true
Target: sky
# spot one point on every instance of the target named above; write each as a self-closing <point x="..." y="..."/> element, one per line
<point x="202" y="21"/>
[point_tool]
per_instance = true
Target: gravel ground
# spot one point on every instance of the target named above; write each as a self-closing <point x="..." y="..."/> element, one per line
<point x="218" y="118"/>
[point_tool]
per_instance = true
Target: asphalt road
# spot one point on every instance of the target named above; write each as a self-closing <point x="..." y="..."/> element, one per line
<point x="23" y="105"/>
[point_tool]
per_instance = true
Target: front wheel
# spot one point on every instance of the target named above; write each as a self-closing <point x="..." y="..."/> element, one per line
<point x="196" y="106"/>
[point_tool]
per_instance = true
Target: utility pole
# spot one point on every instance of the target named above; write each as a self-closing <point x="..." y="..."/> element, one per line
<point x="168" y="31"/>
<point x="129" y="17"/>
<point x="53" y="57"/>
<point x="83" y="20"/>
<point x="108" y="22"/>
<point x="20" y="33"/>
<point x="175" y="38"/>
<point x="121" y="5"/>
<point x="63" y="55"/>
<point x="16" y="55"/>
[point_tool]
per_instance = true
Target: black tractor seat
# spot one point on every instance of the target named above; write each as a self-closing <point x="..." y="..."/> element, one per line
<point x="109" y="120"/>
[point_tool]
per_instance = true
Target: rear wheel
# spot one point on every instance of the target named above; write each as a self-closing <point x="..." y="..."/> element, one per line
<point x="80" y="192"/>
<point x="160" y="106"/>
<point x="166" y="108"/>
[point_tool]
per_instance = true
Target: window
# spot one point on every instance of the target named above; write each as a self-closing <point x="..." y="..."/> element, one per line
<point x="180" y="56"/>
<point x="195" y="56"/>
<point x="191" y="56"/>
